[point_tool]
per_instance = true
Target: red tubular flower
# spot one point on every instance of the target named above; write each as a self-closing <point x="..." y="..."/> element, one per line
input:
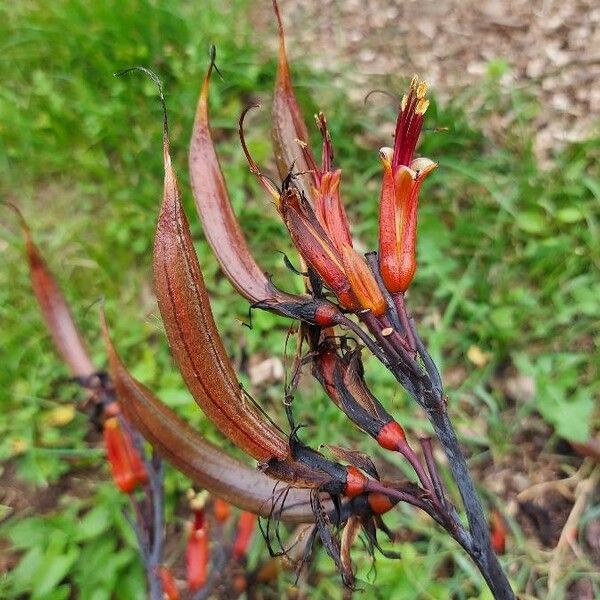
<point x="245" y="530"/>
<point x="169" y="587"/>
<point x="126" y="464"/>
<point x="340" y="267"/>
<point x="402" y="179"/>
<point x="222" y="510"/>
<point x="362" y="282"/>
<point x="197" y="552"/>
<point x="329" y="208"/>
<point x="315" y="246"/>
<point x="497" y="532"/>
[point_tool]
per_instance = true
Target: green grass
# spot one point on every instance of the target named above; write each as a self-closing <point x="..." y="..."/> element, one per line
<point x="508" y="261"/>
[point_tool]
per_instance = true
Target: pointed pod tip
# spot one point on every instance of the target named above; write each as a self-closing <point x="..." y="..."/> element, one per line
<point x="22" y="222"/>
<point x="113" y="358"/>
<point x="202" y="108"/>
<point x="156" y="79"/>
<point x="279" y="21"/>
<point x="104" y="325"/>
<point x="283" y="70"/>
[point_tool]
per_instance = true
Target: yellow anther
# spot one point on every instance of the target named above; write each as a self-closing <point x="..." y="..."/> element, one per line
<point x="199" y="500"/>
<point x="422" y="89"/>
<point x="414" y="82"/>
<point x="320" y="118"/>
<point x="422" y="106"/>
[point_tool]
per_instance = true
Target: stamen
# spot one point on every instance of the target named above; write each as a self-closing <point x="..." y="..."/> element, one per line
<point x="422" y="89"/>
<point x="327" y="148"/>
<point x="422" y="106"/>
<point x="404" y="103"/>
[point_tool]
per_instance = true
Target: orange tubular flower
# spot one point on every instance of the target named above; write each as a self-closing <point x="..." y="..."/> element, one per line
<point x="323" y="238"/>
<point x="340" y="267"/>
<point x="402" y="178"/>
<point x="245" y="530"/>
<point x="326" y="191"/>
<point x="222" y="510"/>
<point x="169" y="587"/>
<point x="126" y="465"/>
<point x="197" y="552"/>
<point x="315" y="246"/>
<point x="362" y="282"/>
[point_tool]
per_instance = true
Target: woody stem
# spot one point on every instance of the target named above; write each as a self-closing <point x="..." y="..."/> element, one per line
<point x="426" y="388"/>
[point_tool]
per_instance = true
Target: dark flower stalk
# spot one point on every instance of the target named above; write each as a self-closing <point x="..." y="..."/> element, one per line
<point x="348" y="300"/>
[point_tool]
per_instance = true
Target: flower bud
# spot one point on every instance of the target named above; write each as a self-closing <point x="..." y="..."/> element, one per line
<point x="169" y="586"/>
<point x="126" y="465"/>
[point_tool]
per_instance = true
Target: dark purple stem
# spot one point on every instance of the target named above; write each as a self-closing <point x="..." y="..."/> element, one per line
<point x="367" y="341"/>
<point x="432" y="468"/>
<point x="401" y="308"/>
<point x="415" y="463"/>
<point x="148" y="524"/>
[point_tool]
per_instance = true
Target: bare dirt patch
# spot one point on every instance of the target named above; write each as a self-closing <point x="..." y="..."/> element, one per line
<point x="552" y="49"/>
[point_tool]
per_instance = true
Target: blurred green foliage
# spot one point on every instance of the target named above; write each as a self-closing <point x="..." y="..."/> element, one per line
<point x="508" y="260"/>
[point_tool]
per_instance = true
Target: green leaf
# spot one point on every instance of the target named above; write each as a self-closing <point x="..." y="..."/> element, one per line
<point x="51" y="571"/>
<point x="571" y="214"/>
<point x="571" y="418"/>
<point x="95" y="522"/>
<point x="531" y="222"/>
<point x="21" y="574"/>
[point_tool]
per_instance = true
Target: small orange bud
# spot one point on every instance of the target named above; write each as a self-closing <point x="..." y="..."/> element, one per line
<point x="126" y="464"/>
<point x="380" y="503"/>
<point x="391" y="435"/>
<point x="355" y="482"/>
<point x="497" y="532"/>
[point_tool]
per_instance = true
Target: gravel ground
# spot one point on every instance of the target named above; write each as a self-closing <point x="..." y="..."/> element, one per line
<point x="552" y="48"/>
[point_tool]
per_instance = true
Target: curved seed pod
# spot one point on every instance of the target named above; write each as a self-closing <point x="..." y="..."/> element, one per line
<point x="55" y="310"/>
<point x="225" y="236"/>
<point x="198" y="349"/>
<point x="290" y="135"/>
<point x="214" y="208"/>
<point x="207" y="465"/>
<point x="193" y="336"/>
